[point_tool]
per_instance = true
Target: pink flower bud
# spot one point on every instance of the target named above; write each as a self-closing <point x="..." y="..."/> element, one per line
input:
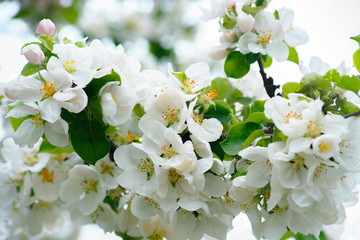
<point x="46" y="26"/>
<point x="33" y="54"/>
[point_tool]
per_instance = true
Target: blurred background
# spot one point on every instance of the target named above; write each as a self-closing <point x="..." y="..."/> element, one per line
<point x="159" y="32"/>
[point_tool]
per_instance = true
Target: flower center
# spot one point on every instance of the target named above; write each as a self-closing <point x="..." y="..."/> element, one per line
<point x="89" y="185"/>
<point x="158" y="235"/>
<point x="151" y="202"/>
<point x="43" y="206"/>
<point x="48" y="90"/>
<point x="116" y="100"/>
<point x="171" y="115"/>
<point x="314" y="128"/>
<point x="47" y="176"/>
<point x="106" y="168"/>
<point x="292" y="114"/>
<point x="69" y="66"/>
<point x="173" y="176"/>
<point x="30" y="158"/>
<point x="37" y="121"/>
<point x="324" y="147"/>
<point x="198" y="119"/>
<point x="319" y="170"/>
<point x="167" y="151"/>
<point x="297" y="164"/>
<point x="188" y="84"/>
<point x="146" y="166"/>
<point x="264" y="37"/>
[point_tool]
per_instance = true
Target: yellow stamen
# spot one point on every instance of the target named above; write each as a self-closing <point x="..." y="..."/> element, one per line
<point x="47" y="176"/>
<point x="48" y="90"/>
<point x="89" y="185"/>
<point x="68" y="66"/>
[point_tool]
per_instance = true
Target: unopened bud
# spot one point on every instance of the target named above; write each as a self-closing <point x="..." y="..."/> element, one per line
<point x="218" y="53"/>
<point x="229" y="37"/>
<point x="46" y="26"/>
<point x="33" y="54"/>
<point x="245" y="22"/>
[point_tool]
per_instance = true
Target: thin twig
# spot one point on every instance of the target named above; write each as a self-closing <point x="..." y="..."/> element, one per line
<point x="357" y="113"/>
<point x="268" y="81"/>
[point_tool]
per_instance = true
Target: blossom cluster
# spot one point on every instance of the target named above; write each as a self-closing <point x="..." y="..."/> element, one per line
<point x="246" y="26"/>
<point x="303" y="180"/>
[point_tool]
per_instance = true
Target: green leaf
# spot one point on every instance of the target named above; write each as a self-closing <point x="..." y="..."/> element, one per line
<point x="356" y="58"/>
<point x="241" y="172"/>
<point x="49" y="148"/>
<point x="217" y="150"/>
<point x="357" y="39"/>
<point x="332" y="76"/>
<point x="237" y="136"/>
<point x="257" y="117"/>
<point x="287" y="235"/>
<point x="220" y="111"/>
<point x="245" y="100"/>
<point x="267" y="62"/>
<point x="235" y="96"/>
<point x="87" y="136"/>
<point x="293" y="55"/>
<point x="222" y="86"/>
<point x="247" y="8"/>
<point x="315" y="80"/>
<point x="290" y="87"/>
<point x="279" y="136"/>
<point x="349" y="83"/>
<point x="180" y="76"/>
<point x="30" y="69"/>
<point x="257" y="106"/>
<point x="16" y="122"/>
<point x="264" y="142"/>
<point x="46" y="40"/>
<point x="236" y="65"/>
<point x="254" y="135"/>
<point x="139" y="110"/>
<point x="348" y="107"/>
<point x="251" y="57"/>
<point x="94" y="106"/>
<point x="93" y="88"/>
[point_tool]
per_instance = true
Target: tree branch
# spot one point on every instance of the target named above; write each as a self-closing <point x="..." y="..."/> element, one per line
<point x="354" y="114"/>
<point x="268" y="81"/>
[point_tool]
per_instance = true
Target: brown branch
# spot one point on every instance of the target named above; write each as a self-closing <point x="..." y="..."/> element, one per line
<point x="354" y="114"/>
<point x="268" y="81"/>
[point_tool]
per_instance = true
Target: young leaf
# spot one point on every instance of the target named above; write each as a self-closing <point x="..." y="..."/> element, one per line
<point x="267" y="62"/>
<point x="290" y="87"/>
<point x="236" y="65"/>
<point x="254" y="135"/>
<point x="349" y="83"/>
<point x="49" y="148"/>
<point x="293" y="55"/>
<point x="222" y="86"/>
<point x="357" y="39"/>
<point x="220" y="111"/>
<point x="237" y="136"/>
<point x="30" y="69"/>
<point x="356" y="58"/>
<point x="257" y="117"/>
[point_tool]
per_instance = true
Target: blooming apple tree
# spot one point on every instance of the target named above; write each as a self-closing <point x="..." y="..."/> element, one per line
<point x="178" y="155"/>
